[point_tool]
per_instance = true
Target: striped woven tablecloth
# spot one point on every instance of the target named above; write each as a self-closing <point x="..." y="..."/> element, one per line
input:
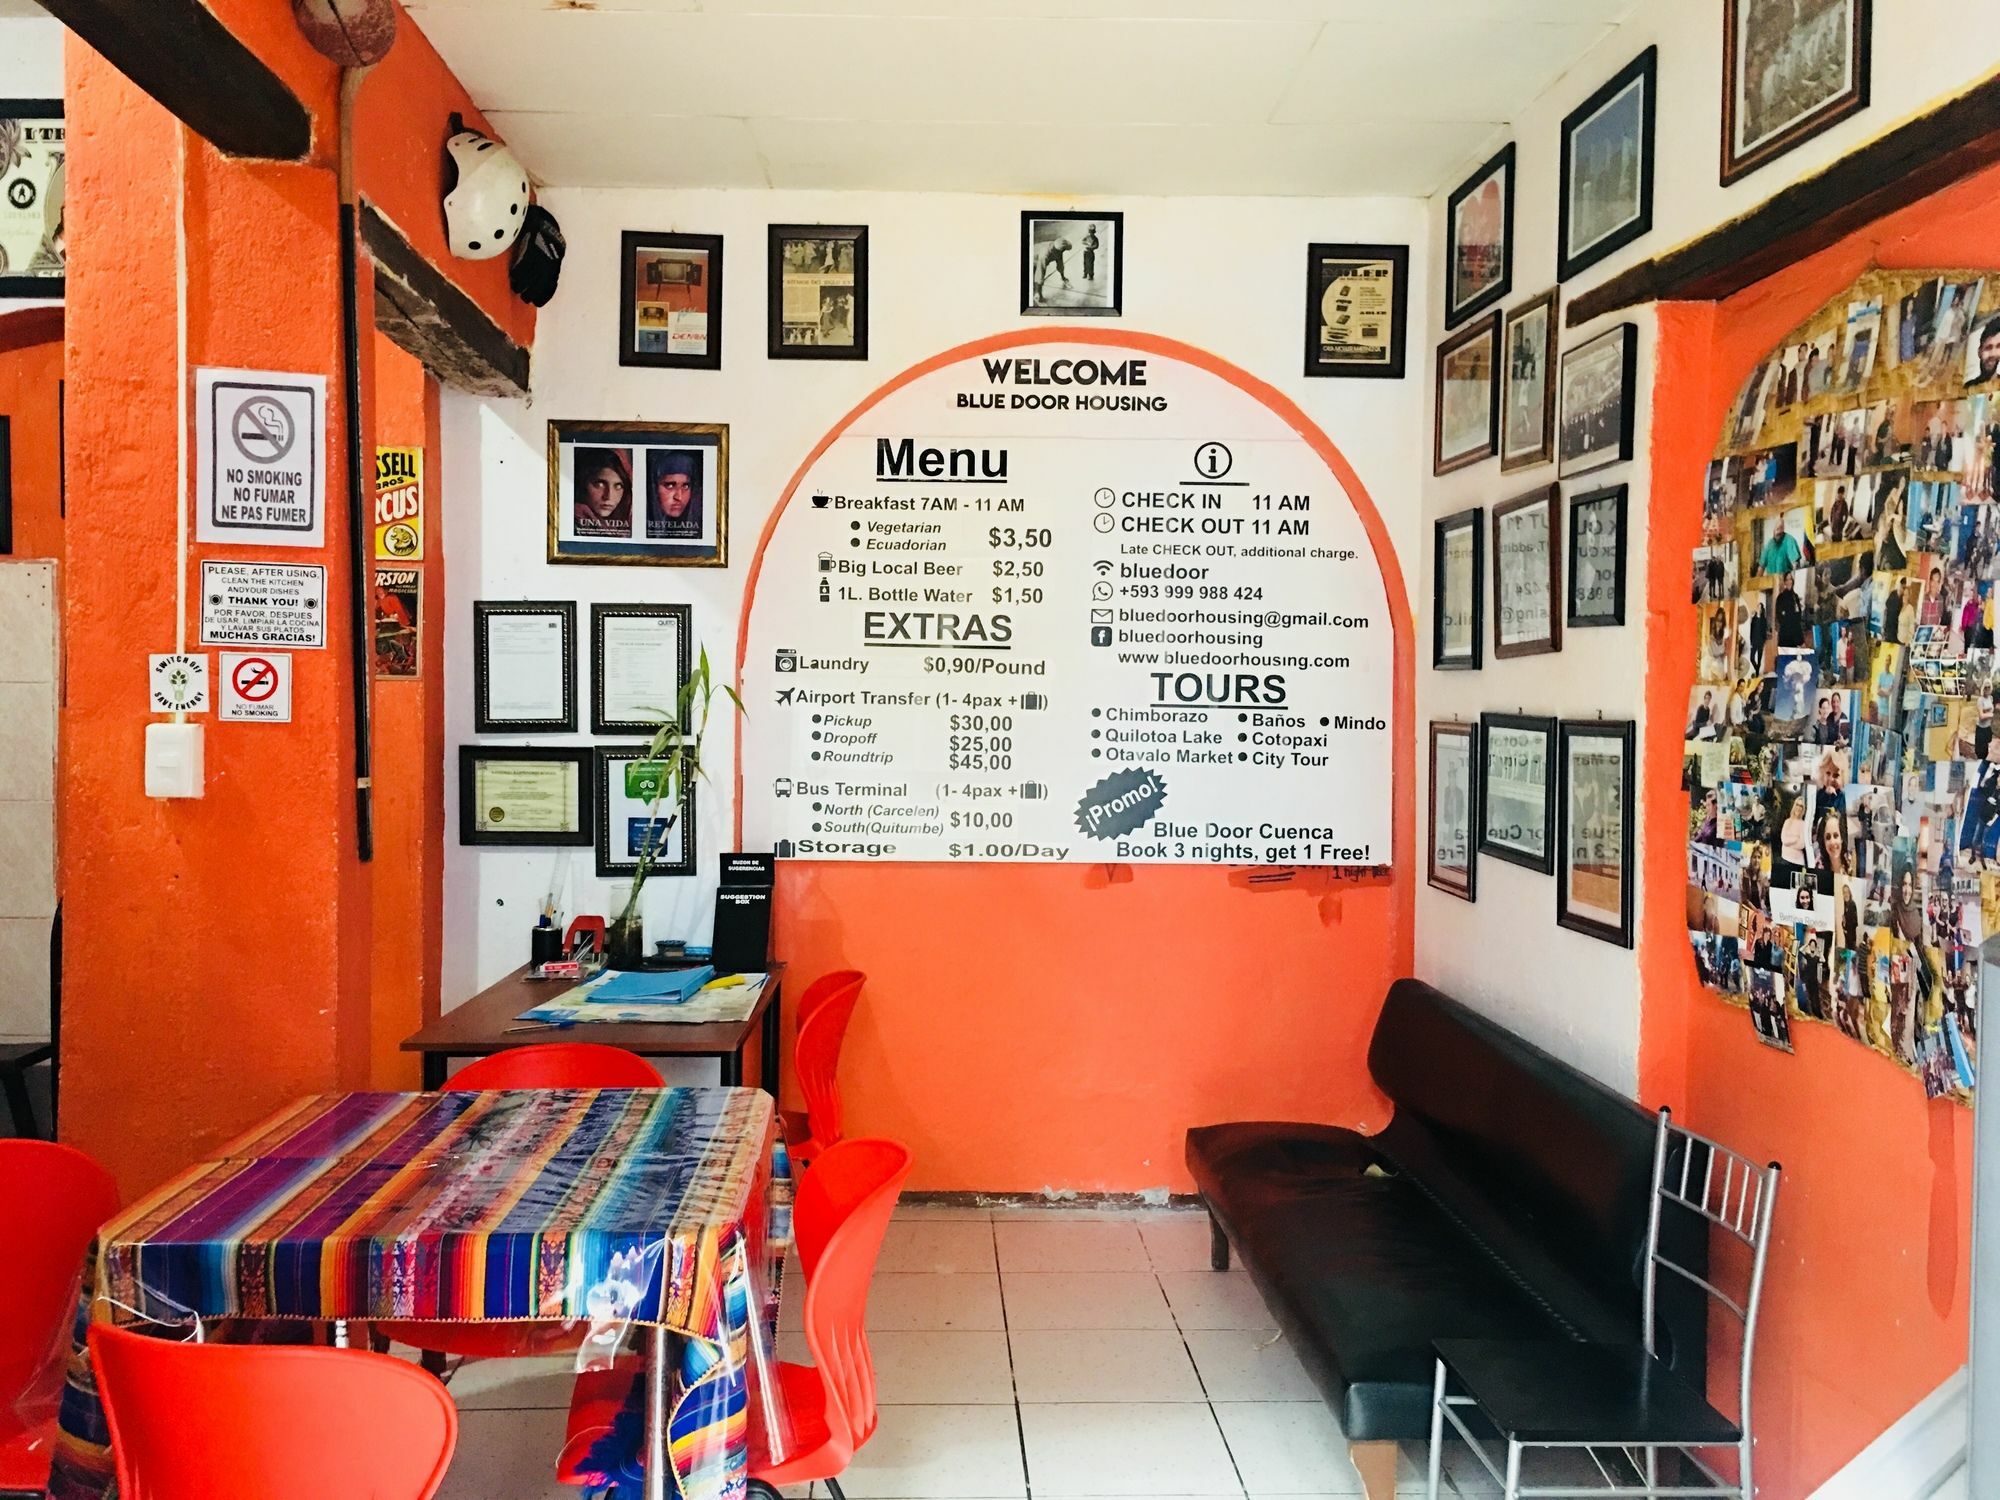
<point x="669" y="1208"/>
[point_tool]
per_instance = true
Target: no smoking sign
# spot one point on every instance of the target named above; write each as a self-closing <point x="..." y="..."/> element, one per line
<point x="260" y="437"/>
<point x="257" y="687"/>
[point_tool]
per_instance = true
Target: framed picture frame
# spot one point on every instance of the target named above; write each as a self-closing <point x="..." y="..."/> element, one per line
<point x="1789" y="72"/>
<point x="640" y="659"/>
<point x="1597" y="382"/>
<point x="1528" y="384"/>
<point x="1605" y="197"/>
<point x="33" y="257"/>
<point x="817" y="296"/>
<point x="1072" y="264"/>
<point x="1597" y="760"/>
<point x="1527" y="574"/>
<point x="1516" y="790"/>
<point x="639" y="492"/>
<point x="1458" y="584"/>
<point x="670" y="300"/>
<point x="524" y="797"/>
<point x="524" y="666"/>
<point x="1467" y="427"/>
<point x="1357" y="311"/>
<point x="1597" y="558"/>
<point x="1479" y="239"/>
<point x="623" y="796"/>
<point x="1454" y="804"/>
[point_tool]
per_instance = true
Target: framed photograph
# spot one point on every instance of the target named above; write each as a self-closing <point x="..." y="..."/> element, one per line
<point x="1607" y="168"/>
<point x="1516" y="805"/>
<point x="639" y="492"/>
<point x="1072" y="265"/>
<point x="33" y="253"/>
<point x="1597" y="382"/>
<point x="1468" y="397"/>
<point x="1479" y="240"/>
<point x="1454" y="856"/>
<point x="628" y="823"/>
<point x="670" y="301"/>
<point x="1528" y="385"/>
<point x="1458" y="581"/>
<point x="511" y="796"/>
<point x="1357" y="310"/>
<point x="640" y="659"/>
<point x="1597" y="557"/>
<point x="524" y="666"/>
<point x="818" y="296"/>
<point x="1527" y="574"/>
<point x="1594" y="829"/>
<point x="1790" y="69"/>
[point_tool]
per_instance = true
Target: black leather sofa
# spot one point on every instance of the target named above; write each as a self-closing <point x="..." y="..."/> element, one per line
<point x="1507" y="1197"/>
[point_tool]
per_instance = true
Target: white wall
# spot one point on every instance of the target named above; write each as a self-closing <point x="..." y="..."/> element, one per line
<point x="1227" y="275"/>
<point x="1570" y="993"/>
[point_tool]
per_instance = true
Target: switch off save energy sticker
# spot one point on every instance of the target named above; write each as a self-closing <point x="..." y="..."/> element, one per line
<point x="177" y="683"/>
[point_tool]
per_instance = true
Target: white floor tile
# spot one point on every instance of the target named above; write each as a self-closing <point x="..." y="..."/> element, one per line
<point x="1249" y="1365"/>
<point x="1288" y="1448"/>
<point x="507" y="1455"/>
<point x="1086" y="1300"/>
<point x="940" y="1453"/>
<point x="1080" y="1245"/>
<point x="942" y="1369"/>
<point x="1215" y="1299"/>
<point x="1056" y="1365"/>
<point x="1103" y="1449"/>
<point x="940" y="1245"/>
<point x="925" y="1302"/>
<point x="1177" y="1243"/>
<point x="515" y="1384"/>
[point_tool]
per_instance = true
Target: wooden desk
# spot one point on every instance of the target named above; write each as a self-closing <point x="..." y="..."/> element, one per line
<point x="480" y="1027"/>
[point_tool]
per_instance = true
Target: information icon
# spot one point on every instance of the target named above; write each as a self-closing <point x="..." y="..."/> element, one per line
<point x="1213" y="460"/>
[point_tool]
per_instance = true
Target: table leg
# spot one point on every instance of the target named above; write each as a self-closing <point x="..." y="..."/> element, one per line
<point x="433" y="1071"/>
<point x="659" y="1356"/>
<point x="732" y="1069"/>
<point x="767" y="1071"/>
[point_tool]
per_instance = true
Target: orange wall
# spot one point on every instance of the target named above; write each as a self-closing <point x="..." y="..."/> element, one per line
<point x="1867" y="1303"/>
<point x="31" y="372"/>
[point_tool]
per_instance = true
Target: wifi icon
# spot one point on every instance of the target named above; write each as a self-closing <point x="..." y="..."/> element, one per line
<point x="1103" y="568"/>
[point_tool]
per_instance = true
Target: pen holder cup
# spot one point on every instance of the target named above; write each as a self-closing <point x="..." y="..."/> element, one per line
<point x="544" y="945"/>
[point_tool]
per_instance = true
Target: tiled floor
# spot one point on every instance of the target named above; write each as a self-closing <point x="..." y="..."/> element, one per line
<point x="1025" y="1353"/>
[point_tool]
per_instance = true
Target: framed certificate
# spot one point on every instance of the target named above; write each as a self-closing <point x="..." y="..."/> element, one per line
<point x="524" y="666"/>
<point x="639" y="662"/>
<point x="513" y="796"/>
<point x="1516" y="789"/>
<point x="628" y="822"/>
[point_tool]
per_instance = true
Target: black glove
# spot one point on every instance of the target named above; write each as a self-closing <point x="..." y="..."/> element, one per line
<point x="538" y="257"/>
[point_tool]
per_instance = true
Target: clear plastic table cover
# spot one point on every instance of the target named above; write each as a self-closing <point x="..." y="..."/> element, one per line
<point x="599" y="1212"/>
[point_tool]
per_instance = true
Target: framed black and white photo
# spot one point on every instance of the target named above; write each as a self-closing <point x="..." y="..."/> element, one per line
<point x="1528" y="384"/>
<point x="1072" y="264"/>
<point x="1606" y="187"/>
<point x="1468" y="397"/>
<point x="1357" y="310"/>
<point x="33" y="154"/>
<point x="632" y="820"/>
<point x="1458" y="581"/>
<point x="1454" y="794"/>
<point x="1597" y="390"/>
<point x="639" y="492"/>
<point x="524" y="666"/>
<point x="512" y="796"/>
<point x="818" y="292"/>
<point x="1479" y="239"/>
<point x="670" y="301"/>
<point x="1527" y="574"/>
<point x="1516" y="801"/>
<point x="1790" y="69"/>
<point x="640" y="659"/>
<point x="1594" y="829"/>
<point x="1597" y="557"/>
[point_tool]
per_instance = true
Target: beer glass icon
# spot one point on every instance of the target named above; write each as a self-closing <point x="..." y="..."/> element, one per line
<point x="826" y="562"/>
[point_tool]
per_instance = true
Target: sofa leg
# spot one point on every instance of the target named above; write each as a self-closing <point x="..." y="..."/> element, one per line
<point x="1218" y="1246"/>
<point x="1377" y="1463"/>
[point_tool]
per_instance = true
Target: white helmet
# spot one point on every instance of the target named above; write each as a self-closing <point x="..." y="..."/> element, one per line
<point x="485" y="208"/>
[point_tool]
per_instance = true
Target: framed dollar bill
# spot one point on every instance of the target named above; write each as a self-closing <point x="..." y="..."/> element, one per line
<point x="1357" y="306"/>
<point x="32" y="158"/>
<point x="818" y="291"/>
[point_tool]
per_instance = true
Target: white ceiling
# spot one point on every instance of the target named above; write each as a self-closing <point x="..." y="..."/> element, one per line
<point x="1287" y="97"/>
<point x="21" y="8"/>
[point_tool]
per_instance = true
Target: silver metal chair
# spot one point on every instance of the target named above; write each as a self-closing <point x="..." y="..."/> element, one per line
<point x="1617" y="1399"/>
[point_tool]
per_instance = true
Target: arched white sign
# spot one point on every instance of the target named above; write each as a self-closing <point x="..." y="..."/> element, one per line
<point x="1082" y="602"/>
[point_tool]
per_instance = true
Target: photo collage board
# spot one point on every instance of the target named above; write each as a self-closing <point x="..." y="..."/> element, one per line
<point x="1841" y="754"/>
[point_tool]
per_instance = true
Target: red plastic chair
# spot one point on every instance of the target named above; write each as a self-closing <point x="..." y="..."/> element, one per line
<point x="248" y="1421"/>
<point x="839" y="1217"/>
<point x="824" y="987"/>
<point x="817" y="1063"/>
<point x="52" y="1199"/>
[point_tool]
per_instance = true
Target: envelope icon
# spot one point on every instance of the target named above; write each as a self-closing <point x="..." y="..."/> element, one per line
<point x="1100" y="617"/>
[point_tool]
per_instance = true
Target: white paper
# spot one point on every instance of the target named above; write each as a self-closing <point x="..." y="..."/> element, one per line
<point x="641" y="668"/>
<point x="526" y="668"/>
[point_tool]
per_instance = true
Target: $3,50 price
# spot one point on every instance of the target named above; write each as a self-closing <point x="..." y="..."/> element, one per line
<point x="1027" y="536"/>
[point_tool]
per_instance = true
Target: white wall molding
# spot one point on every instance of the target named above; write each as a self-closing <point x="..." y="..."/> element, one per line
<point x="1917" y="1458"/>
